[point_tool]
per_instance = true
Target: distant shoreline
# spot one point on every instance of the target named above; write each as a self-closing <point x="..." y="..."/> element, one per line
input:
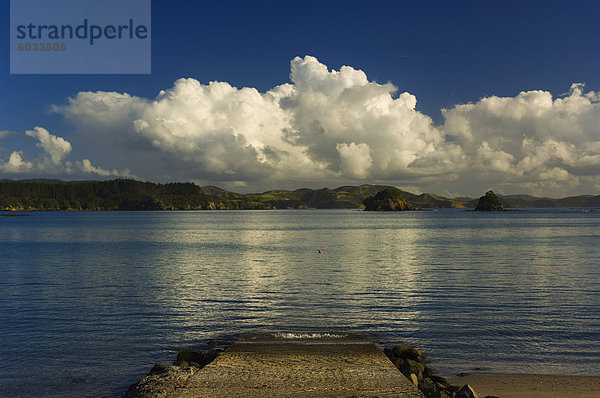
<point x="120" y="194"/>
<point x="8" y="212"/>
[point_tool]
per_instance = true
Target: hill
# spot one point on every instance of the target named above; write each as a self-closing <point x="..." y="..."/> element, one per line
<point x="390" y="199"/>
<point x="124" y="194"/>
<point x="346" y="197"/>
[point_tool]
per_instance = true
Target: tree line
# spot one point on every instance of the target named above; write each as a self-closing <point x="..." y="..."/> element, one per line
<point x="119" y="194"/>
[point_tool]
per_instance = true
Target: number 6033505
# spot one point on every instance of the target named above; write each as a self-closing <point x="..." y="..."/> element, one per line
<point x="42" y="47"/>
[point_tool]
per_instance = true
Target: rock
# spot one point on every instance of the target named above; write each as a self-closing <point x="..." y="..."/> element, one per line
<point x="398" y="362"/>
<point x="158" y="369"/>
<point x="412" y="367"/>
<point x="163" y="380"/>
<point x="432" y="389"/>
<point x="489" y="202"/>
<point x="408" y="360"/>
<point x="441" y="381"/>
<point x="414" y="379"/>
<point x="427" y="387"/>
<point x="445" y="394"/>
<point x="197" y="359"/>
<point x="411" y="363"/>
<point x="160" y="385"/>
<point x="405" y="352"/>
<point x="390" y="199"/>
<point x="466" y="391"/>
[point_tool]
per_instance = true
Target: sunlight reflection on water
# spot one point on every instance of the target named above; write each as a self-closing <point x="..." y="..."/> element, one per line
<point x="512" y="292"/>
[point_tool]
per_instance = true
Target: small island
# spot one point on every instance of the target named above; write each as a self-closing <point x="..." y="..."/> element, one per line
<point x="489" y="202"/>
<point x="390" y="199"/>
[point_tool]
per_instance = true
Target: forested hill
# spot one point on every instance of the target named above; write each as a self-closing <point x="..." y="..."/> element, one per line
<point x="124" y="194"/>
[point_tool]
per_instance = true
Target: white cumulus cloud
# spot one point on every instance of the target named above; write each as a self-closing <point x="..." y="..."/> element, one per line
<point x="356" y="160"/>
<point x="315" y="129"/>
<point x="533" y="140"/>
<point x="15" y="164"/>
<point x="86" y="166"/>
<point x="54" y="146"/>
<point x="328" y="127"/>
<point x="52" y="162"/>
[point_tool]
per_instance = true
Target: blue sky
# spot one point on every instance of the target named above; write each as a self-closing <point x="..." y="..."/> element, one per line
<point x="445" y="54"/>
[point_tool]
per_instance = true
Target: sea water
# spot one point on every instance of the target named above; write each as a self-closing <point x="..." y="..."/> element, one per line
<point x="89" y="301"/>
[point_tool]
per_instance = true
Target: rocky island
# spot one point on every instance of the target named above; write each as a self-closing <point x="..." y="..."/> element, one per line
<point x="390" y="199"/>
<point x="489" y="202"/>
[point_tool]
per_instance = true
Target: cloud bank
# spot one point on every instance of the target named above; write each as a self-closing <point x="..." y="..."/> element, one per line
<point x="331" y="127"/>
<point x="51" y="163"/>
<point x="532" y="140"/>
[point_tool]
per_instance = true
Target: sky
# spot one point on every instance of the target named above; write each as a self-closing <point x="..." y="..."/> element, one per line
<point x="452" y="98"/>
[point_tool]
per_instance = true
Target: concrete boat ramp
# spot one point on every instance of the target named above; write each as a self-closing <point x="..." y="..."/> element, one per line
<point x="299" y="365"/>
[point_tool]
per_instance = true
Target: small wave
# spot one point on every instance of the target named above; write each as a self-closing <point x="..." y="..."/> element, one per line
<point x="288" y="335"/>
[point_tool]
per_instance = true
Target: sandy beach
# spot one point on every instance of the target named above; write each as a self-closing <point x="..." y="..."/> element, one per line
<point x="532" y="386"/>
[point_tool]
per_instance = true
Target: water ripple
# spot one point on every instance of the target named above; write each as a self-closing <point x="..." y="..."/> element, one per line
<point x="97" y="298"/>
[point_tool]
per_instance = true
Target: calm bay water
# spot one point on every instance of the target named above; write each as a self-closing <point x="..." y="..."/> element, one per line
<point x="90" y="301"/>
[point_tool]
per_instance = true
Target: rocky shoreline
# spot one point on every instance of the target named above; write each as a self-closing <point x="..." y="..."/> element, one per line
<point x="411" y="362"/>
<point x="163" y="380"/>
